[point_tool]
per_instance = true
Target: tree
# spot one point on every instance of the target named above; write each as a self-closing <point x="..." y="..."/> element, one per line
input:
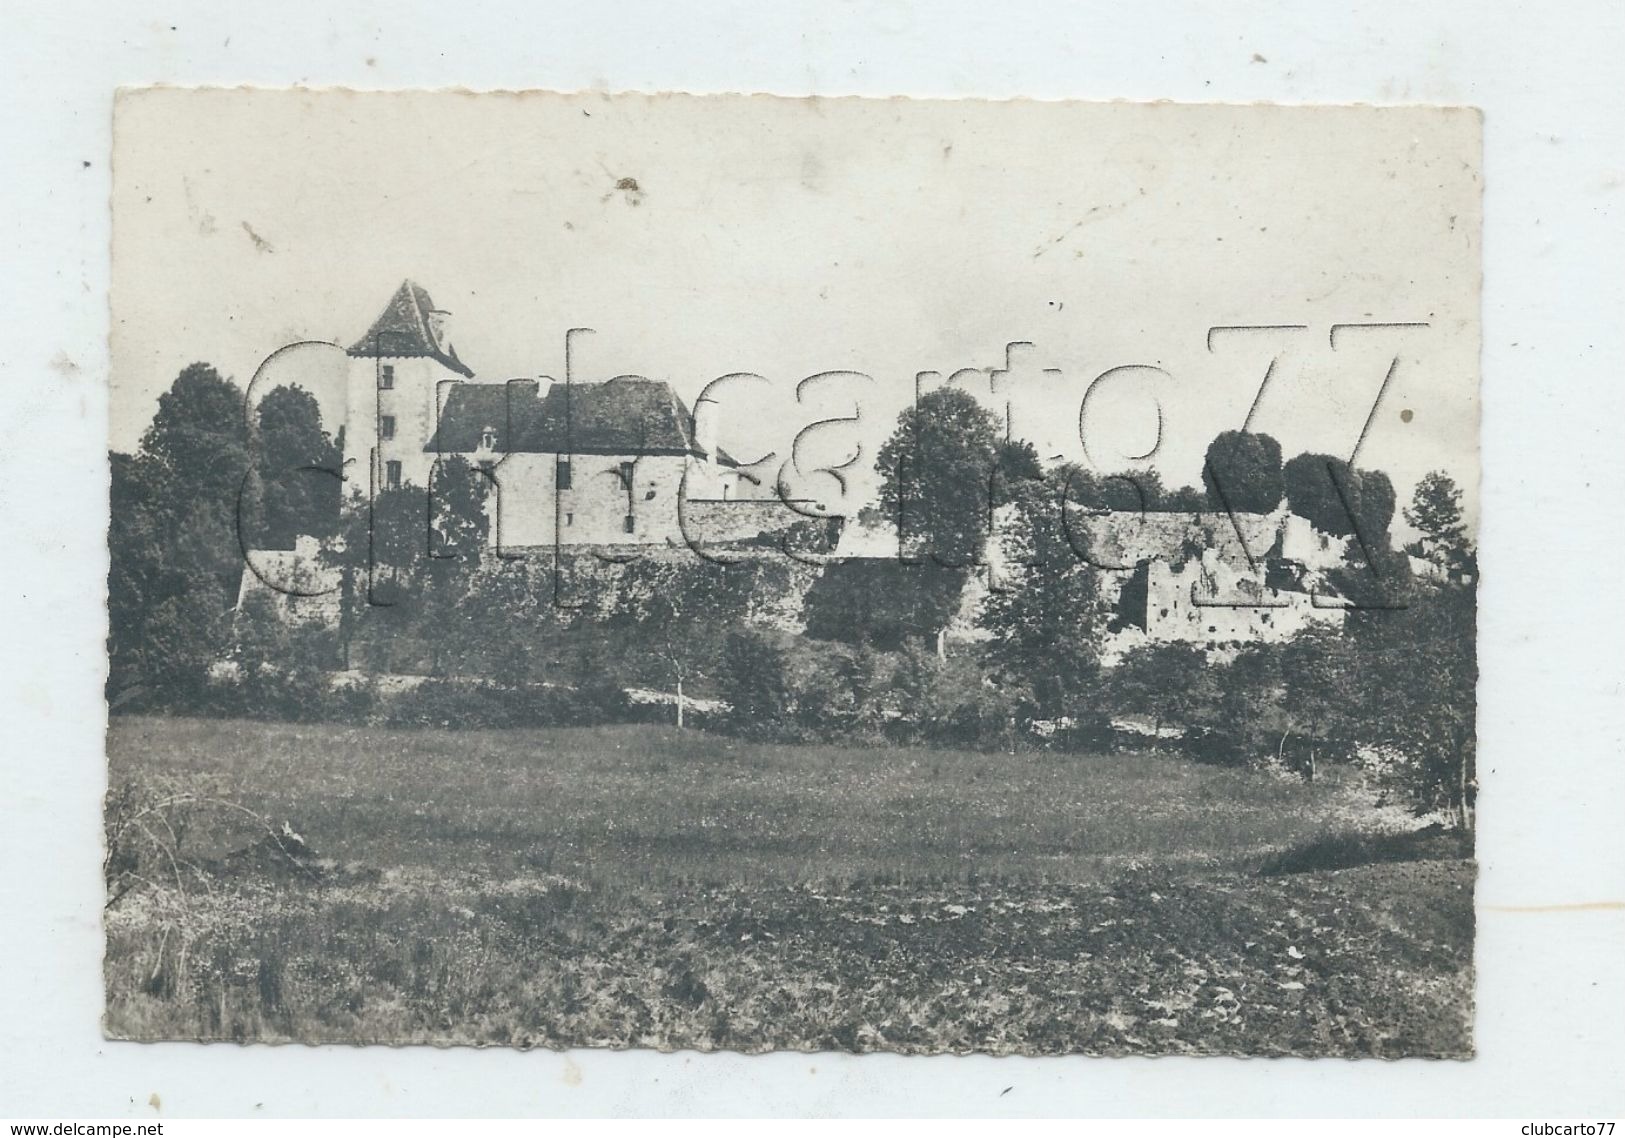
<point x="1129" y="491"/>
<point x="1168" y="681"/>
<point x="1250" y="716"/>
<point x="198" y="433"/>
<point x="1419" y="672"/>
<point x="1373" y="578"/>
<point x="1018" y="462"/>
<point x="1242" y="473"/>
<point x="1186" y="499"/>
<point x="1322" y="693"/>
<point x="299" y="470"/>
<point x="173" y="543"/>
<point x="937" y="477"/>
<point x="198" y="441"/>
<point x="936" y="474"/>
<point x="1435" y="511"/>
<point x="281" y="666"/>
<point x="677" y="613"/>
<point x="459" y="526"/>
<point x="1338" y="499"/>
<point x="1042" y="612"/>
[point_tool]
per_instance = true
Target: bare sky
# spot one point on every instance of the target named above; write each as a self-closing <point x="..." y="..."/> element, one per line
<point x="792" y="237"/>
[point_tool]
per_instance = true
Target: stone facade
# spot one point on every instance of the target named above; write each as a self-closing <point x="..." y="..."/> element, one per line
<point x="1214" y="580"/>
<point x="398" y="379"/>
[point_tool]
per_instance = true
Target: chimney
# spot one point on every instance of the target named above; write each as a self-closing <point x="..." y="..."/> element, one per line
<point x="438" y="320"/>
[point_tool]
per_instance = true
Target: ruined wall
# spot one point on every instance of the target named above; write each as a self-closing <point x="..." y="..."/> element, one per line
<point x="299" y="585"/>
<point x="1116" y="542"/>
<point x="1210" y="602"/>
<point x="589" y="580"/>
<point x="715" y="520"/>
<point x="1301" y="542"/>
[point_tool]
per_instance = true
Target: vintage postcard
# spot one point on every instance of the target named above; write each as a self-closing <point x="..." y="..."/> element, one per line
<point x="751" y="573"/>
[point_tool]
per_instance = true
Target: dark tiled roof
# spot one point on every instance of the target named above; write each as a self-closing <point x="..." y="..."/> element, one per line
<point x="406" y="327"/>
<point x="628" y="415"/>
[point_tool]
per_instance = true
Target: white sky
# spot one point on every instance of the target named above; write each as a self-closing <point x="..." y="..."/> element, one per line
<point x="789" y="237"/>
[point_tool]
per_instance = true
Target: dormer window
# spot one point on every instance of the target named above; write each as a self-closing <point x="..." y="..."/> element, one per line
<point x="386" y="377"/>
<point x="488" y="439"/>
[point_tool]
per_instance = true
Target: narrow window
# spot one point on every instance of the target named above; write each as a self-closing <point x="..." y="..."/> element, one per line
<point x="626" y="478"/>
<point x="563" y="482"/>
<point x="392" y="475"/>
<point x="628" y="525"/>
<point x="386" y="427"/>
<point x="569" y="519"/>
<point x="386" y="377"/>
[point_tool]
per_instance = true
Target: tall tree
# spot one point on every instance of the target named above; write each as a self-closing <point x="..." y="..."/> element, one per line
<point x="936" y="474"/>
<point x="937" y="482"/>
<point x="1418" y="679"/>
<point x="1242" y="473"/>
<point x="1323" y="694"/>
<point x="198" y="439"/>
<point x="299" y="469"/>
<point x="175" y="554"/>
<point x="459" y="525"/>
<point x="166" y="607"/>
<point x="1018" y="462"/>
<point x="1435" y="511"/>
<point x="1042" y="612"/>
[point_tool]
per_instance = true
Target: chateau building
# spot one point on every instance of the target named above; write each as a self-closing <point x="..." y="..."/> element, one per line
<point x="618" y="462"/>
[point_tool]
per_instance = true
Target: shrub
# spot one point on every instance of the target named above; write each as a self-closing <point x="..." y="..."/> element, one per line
<point x="754" y="682"/>
<point x="479" y="705"/>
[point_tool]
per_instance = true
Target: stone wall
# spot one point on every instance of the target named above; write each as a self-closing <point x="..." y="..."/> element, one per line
<point x="708" y="521"/>
<point x="598" y="507"/>
<point x="301" y="588"/>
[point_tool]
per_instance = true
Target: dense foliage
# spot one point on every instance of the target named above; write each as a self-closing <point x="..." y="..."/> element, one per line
<point x="1242" y="473"/>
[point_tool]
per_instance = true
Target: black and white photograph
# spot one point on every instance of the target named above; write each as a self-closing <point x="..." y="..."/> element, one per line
<point x="756" y="574"/>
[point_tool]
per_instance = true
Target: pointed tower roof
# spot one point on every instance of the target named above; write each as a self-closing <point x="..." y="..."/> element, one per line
<point x="409" y="325"/>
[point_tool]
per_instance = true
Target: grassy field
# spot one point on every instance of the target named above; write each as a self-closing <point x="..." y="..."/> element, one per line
<point x="639" y="886"/>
